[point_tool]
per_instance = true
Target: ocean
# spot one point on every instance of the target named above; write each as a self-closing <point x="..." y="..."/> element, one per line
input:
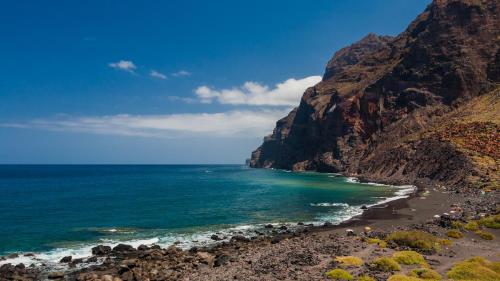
<point x="59" y="210"/>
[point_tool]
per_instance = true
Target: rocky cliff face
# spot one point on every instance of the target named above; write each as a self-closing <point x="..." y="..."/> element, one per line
<point x="386" y="105"/>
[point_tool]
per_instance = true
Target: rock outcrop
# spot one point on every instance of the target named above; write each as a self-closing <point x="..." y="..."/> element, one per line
<point x="385" y="105"/>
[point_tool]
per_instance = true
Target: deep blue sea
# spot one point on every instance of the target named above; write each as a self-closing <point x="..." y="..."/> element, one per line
<point x="57" y="210"/>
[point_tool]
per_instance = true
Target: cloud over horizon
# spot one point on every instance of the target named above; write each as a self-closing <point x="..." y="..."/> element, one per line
<point x="237" y="123"/>
<point x="286" y="93"/>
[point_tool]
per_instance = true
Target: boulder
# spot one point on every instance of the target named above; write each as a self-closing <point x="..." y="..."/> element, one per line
<point x="239" y="238"/>
<point x="66" y="259"/>
<point x="56" y="275"/>
<point x="221" y="260"/>
<point x="206" y="258"/>
<point x="215" y="237"/>
<point x="121" y="248"/>
<point x="101" y="250"/>
<point x="107" y="278"/>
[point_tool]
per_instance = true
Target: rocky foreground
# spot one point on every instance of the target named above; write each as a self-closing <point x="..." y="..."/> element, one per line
<point x="428" y="235"/>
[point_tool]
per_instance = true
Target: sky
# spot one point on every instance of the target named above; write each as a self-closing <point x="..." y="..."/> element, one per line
<point x="166" y="82"/>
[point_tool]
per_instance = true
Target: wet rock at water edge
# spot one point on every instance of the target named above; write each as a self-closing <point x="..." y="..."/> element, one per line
<point x="13" y="256"/>
<point x="239" y="238"/>
<point x="215" y="237"/>
<point x="120" y="248"/>
<point x="101" y="250"/>
<point x="66" y="259"/>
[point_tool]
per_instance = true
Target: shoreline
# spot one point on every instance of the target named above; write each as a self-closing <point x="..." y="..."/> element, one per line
<point x="247" y="230"/>
<point x="225" y="258"/>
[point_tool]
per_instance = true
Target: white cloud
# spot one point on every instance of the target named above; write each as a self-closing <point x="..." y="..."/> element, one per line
<point x="157" y="74"/>
<point x="181" y="73"/>
<point x="183" y="99"/>
<point x="244" y="123"/>
<point x="287" y="93"/>
<point x="125" y="65"/>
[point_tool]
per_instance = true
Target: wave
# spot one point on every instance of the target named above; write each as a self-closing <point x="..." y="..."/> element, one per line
<point x="338" y="217"/>
<point x="199" y="238"/>
<point x="329" y="204"/>
<point x="352" y="180"/>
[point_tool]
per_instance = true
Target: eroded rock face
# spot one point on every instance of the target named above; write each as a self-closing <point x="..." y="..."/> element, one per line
<point x="378" y="92"/>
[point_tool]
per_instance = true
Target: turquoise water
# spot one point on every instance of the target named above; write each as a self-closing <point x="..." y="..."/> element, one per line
<point x="56" y="210"/>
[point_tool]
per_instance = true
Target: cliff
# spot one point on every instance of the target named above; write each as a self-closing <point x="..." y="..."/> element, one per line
<point x="420" y="106"/>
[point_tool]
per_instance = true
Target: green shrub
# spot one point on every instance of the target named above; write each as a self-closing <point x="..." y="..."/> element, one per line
<point x="409" y="257"/>
<point x="349" y="261"/>
<point x="379" y="242"/>
<point x="339" y="274"/>
<point x="485" y="235"/>
<point x="401" y="277"/>
<point x="417" y="240"/>
<point x="385" y="264"/>
<point x="472" y="226"/>
<point x="365" y="278"/>
<point x="454" y="234"/>
<point x="477" y="268"/>
<point x="457" y="225"/>
<point x="425" y="273"/>
<point x="491" y="222"/>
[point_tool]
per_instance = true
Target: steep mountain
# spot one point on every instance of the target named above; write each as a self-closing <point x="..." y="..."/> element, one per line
<point x="422" y="106"/>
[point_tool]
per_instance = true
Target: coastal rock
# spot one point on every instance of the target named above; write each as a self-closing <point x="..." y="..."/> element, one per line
<point x="398" y="109"/>
<point x="66" y="259"/>
<point x="239" y="238"/>
<point x="215" y="237"/>
<point x="107" y="278"/>
<point x="55" y="275"/>
<point x="122" y="248"/>
<point x="221" y="260"/>
<point x="101" y="250"/>
<point x="206" y="258"/>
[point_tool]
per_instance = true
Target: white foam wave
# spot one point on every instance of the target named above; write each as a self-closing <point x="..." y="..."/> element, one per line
<point x="340" y="216"/>
<point x="404" y="191"/>
<point x="51" y="258"/>
<point x="325" y="204"/>
<point x="352" y="180"/>
<point x="203" y="238"/>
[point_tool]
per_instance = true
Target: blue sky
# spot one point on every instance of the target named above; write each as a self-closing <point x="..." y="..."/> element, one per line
<point x="166" y="81"/>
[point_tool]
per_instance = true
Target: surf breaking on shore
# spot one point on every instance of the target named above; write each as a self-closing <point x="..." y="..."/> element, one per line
<point x="341" y="212"/>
